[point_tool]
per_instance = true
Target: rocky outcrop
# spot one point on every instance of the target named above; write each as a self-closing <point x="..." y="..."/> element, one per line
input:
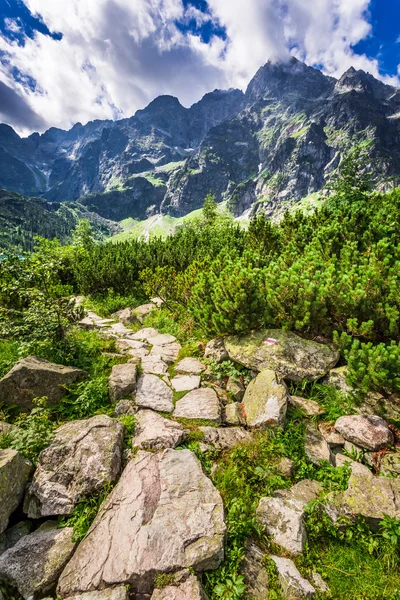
<point x="153" y="432"/>
<point x="34" y="377"/>
<point x="284" y="352"/>
<point x="152" y="392"/>
<point x="122" y="381"/>
<point x="201" y="404"/>
<point x="14" y="474"/>
<point x="163" y="515"/>
<point x="369" y="432"/>
<point x="265" y="401"/>
<point x="82" y="458"/>
<point x="34" y="564"/>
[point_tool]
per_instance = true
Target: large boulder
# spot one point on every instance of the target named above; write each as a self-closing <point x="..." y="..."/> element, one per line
<point x="200" y="404"/>
<point x="34" y="564"/>
<point x="153" y="432"/>
<point x="12" y="536"/>
<point x="164" y="515"/>
<point x="265" y="401"/>
<point x="152" y="392"/>
<point x="34" y="377"/>
<point x="122" y="381"/>
<point x="291" y="356"/>
<point x="367" y="431"/>
<point x="294" y="586"/>
<point x="215" y="350"/>
<point x="82" y="458"/>
<point x="14" y="474"/>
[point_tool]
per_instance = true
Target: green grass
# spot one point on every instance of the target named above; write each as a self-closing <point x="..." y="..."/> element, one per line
<point x="107" y="304"/>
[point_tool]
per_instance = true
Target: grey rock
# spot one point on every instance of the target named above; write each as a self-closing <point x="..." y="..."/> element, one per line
<point x="319" y="583"/>
<point x="309" y="407"/>
<point x="254" y="572"/>
<point x="163" y="515"/>
<point x="121" y="330"/>
<point x="143" y="310"/>
<point x="353" y="450"/>
<point x="12" y="535"/>
<point x="265" y="401"/>
<point x="14" y="474"/>
<point x="185" y="383"/>
<point x="236" y="389"/>
<point x="390" y="464"/>
<point x="125" y="407"/>
<point x="153" y="432"/>
<point x="232" y="414"/>
<point x="116" y="593"/>
<point x="82" y="458"/>
<point x="144" y="334"/>
<point x="215" y="350"/>
<point x="199" y="404"/>
<point x="152" y="392"/>
<point x="34" y="564"/>
<point x="122" y="381"/>
<point x="34" y="377"/>
<point x="332" y="437"/>
<point x="303" y="491"/>
<point x="127" y="317"/>
<point x="127" y="345"/>
<point x="376" y="404"/>
<point x="356" y="467"/>
<point x="224" y="438"/>
<point x="187" y="590"/>
<point x="283" y="520"/>
<point x="7" y="428"/>
<point x="316" y="447"/>
<point x="337" y="378"/>
<point x="294" y="586"/>
<point x="291" y="356"/>
<point x="285" y="467"/>
<point x="192" y="366"/>
<point x="169" y="353"/>
<point x="370" y="432"/>
<point x="154" y="364"/>
<point x="162" y="339"/>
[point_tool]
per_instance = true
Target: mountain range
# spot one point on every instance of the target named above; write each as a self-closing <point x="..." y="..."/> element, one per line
<point x="277" y="143"/>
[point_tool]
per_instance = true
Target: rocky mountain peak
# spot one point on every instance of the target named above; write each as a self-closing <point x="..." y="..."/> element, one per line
<point x="362" y="82"/>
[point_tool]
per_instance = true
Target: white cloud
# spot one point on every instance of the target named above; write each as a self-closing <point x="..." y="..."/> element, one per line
<point x="117" y="55"/>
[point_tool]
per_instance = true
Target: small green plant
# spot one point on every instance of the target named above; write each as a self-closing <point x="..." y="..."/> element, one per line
<point x="162" y="580"/>
<point x="85" y="512"/>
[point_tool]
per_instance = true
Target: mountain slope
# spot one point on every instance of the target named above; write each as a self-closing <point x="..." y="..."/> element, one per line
<point x="268" y="148"/>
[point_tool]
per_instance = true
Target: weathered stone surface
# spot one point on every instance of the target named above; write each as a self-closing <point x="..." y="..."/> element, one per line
<point x="215" y="350"/>
<point x="82" y="458"/>
<point x="12" y="536"/>
<point x="285" y="466"/>
<point x="304" y="491"/>
<point x="152" y="392"/>
<point x="376" y="404"/>
<point x="143" y="310"/>
<point x="125" y="407"/>
<point x="14" y="474"/>
<point x="162" y="339"/>
<point x="369" y="496"/>
<point x="126" y="345"/>
<point x="163" y="515"/>
<point x="236" y="389"/>
<point x="116" y="593"/>
<point x="337" y="378"/>
<point x="224" y="438"/>
<point x="169" y="353"/>
<point x="153" y="432"/>
<point x="34" y="377"/>
<point x="294" y="586"/>
<point x="199" y="404"/>
<point x="185" y="383"/>
<point x="233" y="414"/>
<point x="283" y="520"/>
<point x="356" y="467"/>
<point x="370" y="432"/>
<point x="254" y="572"/>
<point x="331" y="436"/>
<point x="121" y="330"/>
<point x="154" y="364"/>
<point x="190" y="365"/>
<point x="315" y="446"/>
<point x="144" y="334"/>
<point x="127" y="317"/>
<point x="319" y="583"/>
<point x="309" y="407"/>
<point x="187" y="590"/>
<point x="35" y="562"/>
<point x="122" y="381"/>
<point x="390" y="464"/>
<point x="7" y="428"/>
<point x="291" y="356"/>
<point x="265" y="401"/>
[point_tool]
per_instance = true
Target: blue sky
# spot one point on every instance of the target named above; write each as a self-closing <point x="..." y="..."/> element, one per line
<point x="64" y="61"/>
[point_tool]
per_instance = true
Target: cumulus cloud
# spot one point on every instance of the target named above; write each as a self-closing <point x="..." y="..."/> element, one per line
<point x="117" y="55"/>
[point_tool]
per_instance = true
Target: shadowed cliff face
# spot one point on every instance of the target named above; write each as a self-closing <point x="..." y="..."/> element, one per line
<point x="280" y="141"/>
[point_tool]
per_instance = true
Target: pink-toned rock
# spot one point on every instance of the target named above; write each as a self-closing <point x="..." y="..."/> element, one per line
<point x="370" y="432"/>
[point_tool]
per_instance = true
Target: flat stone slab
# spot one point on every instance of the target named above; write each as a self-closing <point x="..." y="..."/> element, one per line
<point x="122" y="382"/>
<point x="116" y="593"/>
<point x="185" y="383"/>
<point x="293" y="584"/>
<point x="164" y="515"/>
<point x="169" y="353"/>
<point x="126" y="344"/>
<point x="265" y="401"/>
<point x="120" y="330"/>
<point x="154" y="432"/>
<point x="154" y="364"/>
<point x="303" y="491"/>
<point x="357" y="468"/>
<point x="152" y="392"/>
<point x="190" y="365"/>
<point x="34" y="564"/>
<point x="83" y="456"/>
<point x="162" y="339"/>
<point x="187" y="590"/>
<point x="224" y="438"/>
<point x="291" y="356"/>
<point x="370" y="431"/>
<point x="144" y="334"/>
<point x="331" y="436"/>
<point x="35" y="377"/>
<point x="199" y="404"/>
<point x="316" y="447"/>
<point x="283" y="520"/>
<point x="14" y="474"/>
